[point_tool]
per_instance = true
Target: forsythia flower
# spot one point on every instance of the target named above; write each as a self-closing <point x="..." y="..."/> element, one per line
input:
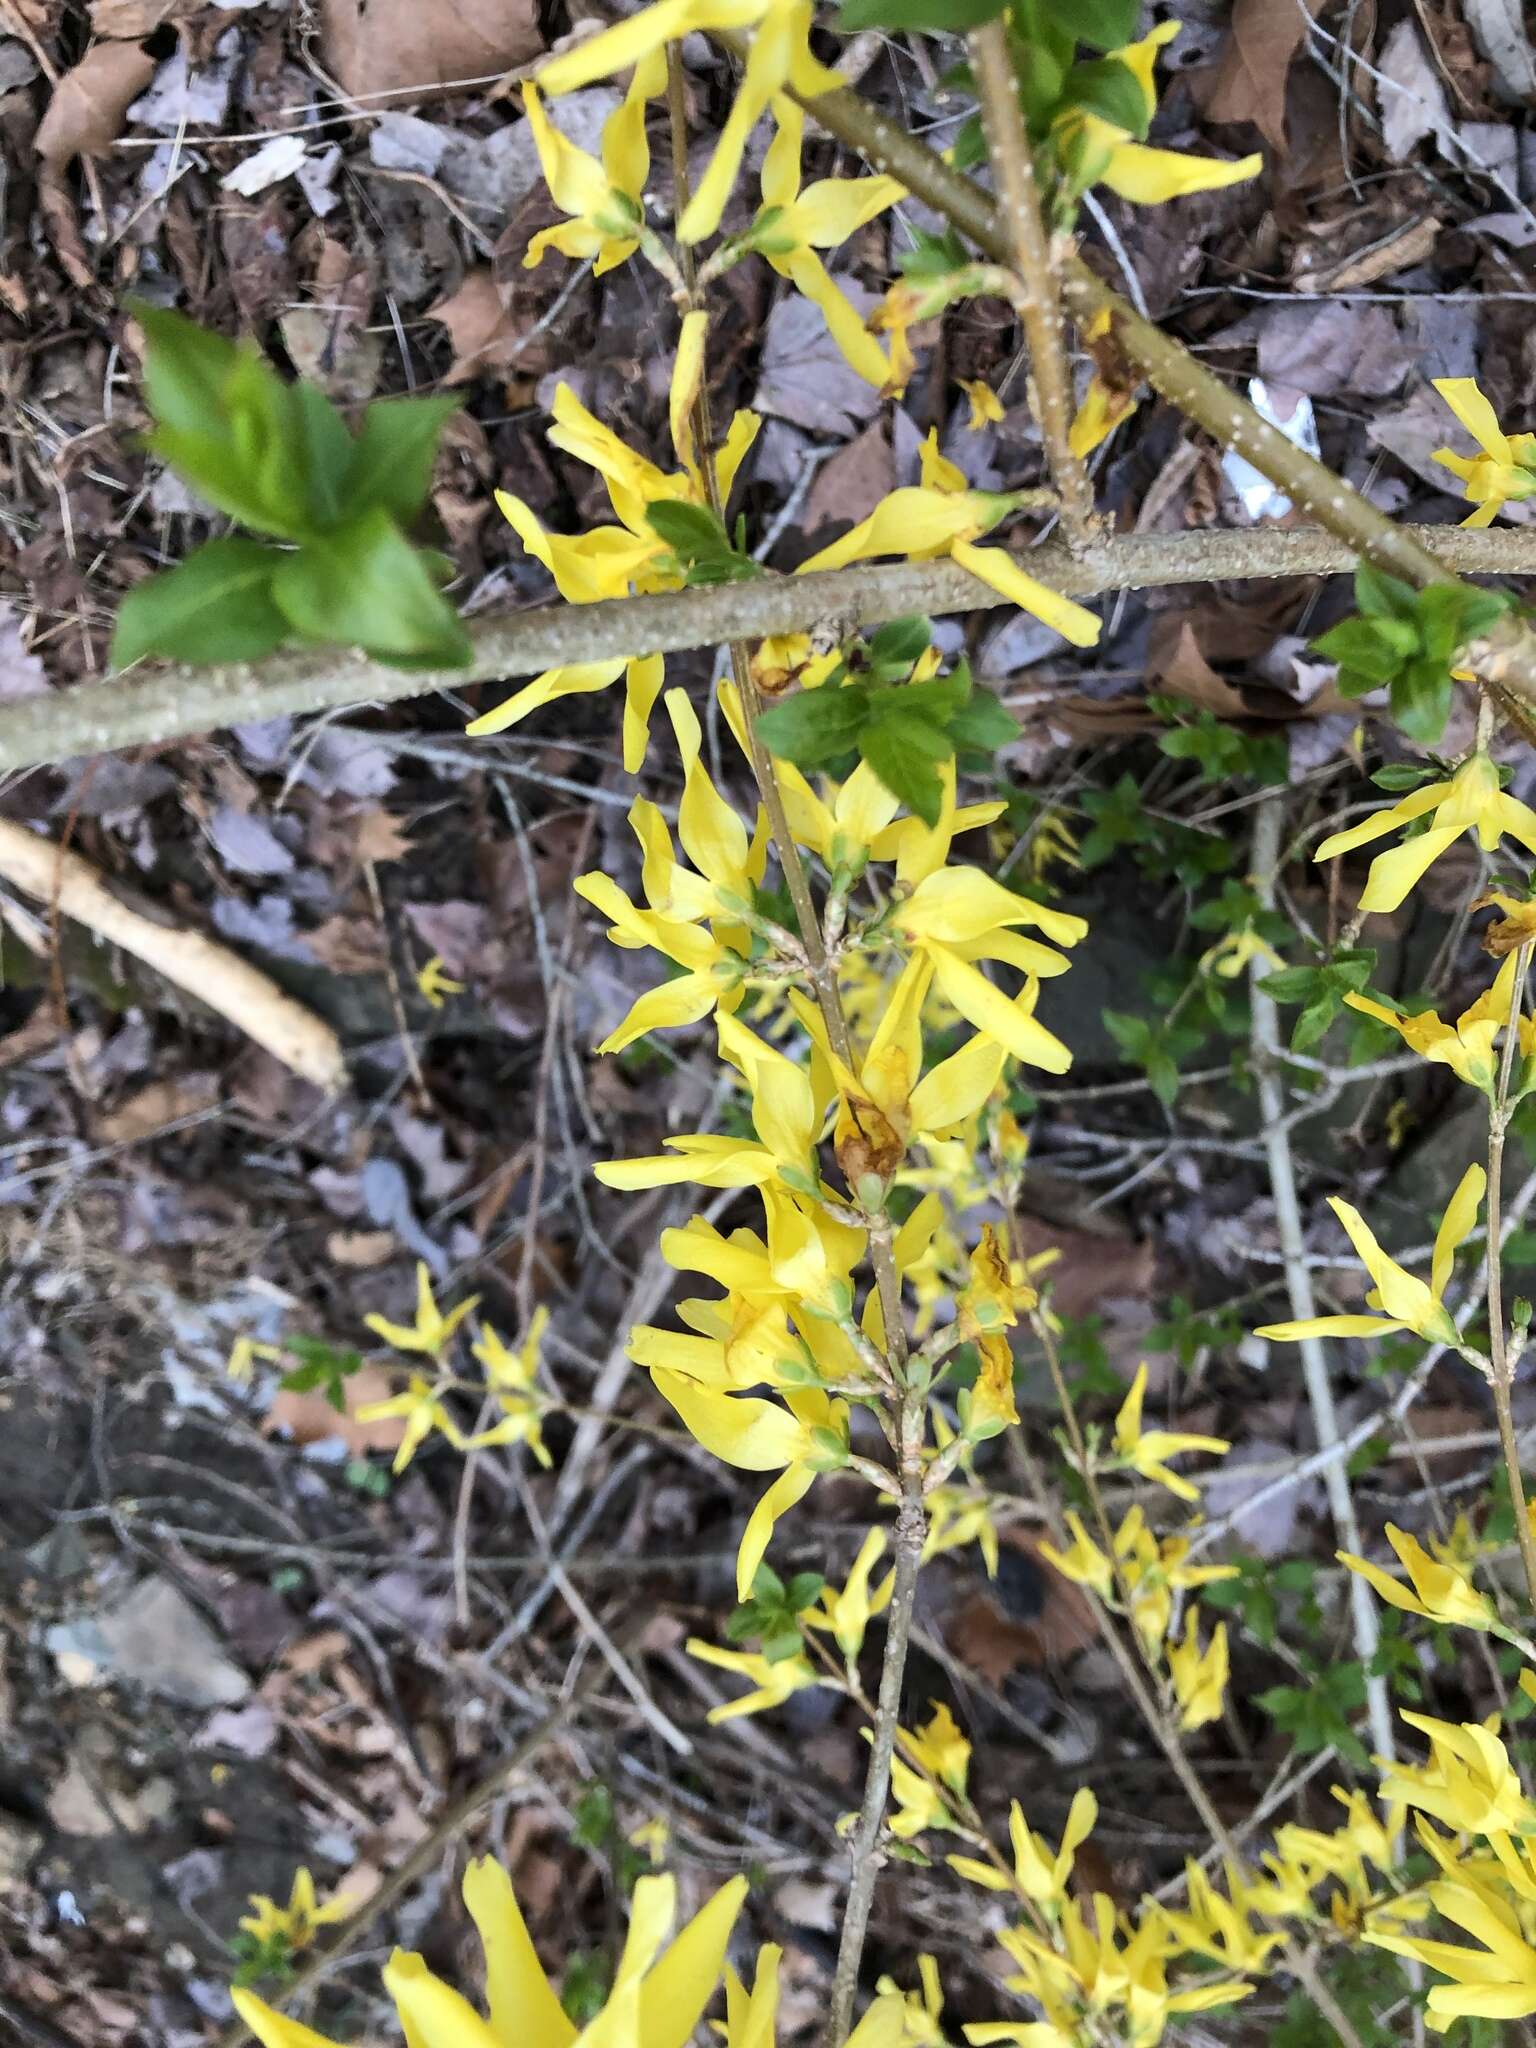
<point x="1406" y="1303"/>
<point x="422" y="1408"/>
<point x="1468" y="1784"/>
<point x="1110" y="396"/>
<point x="432" y="1331"/>
<point x="985" y="403"/>
<point x="1218" y="1927"/>
<point x="780" y="56"/>
<point x="657" y="1998"/>
<point x="944" y="516"/>
<point x="848" y="1614"/>
<point x="1199" y="1676"/>
<point x="297" y="1921"/>
<point x="1496" y="1981"/>
<point x="1505" y="469"/>
<point x="771" y="1683"/>
<point x="943" y="1757"/>
<point x="1471" y="801"/>
<point x="1145" y="1450"/>
<point x="1094" y="151"/>
<point x="434" y="984"/>
<point x="1440" y="1592"/>
<point x="1467" y="1046"/>
<point x="610" y="561"/>
<point x="606" y="200"/>
<point x="512" y="1377"/>
<point x="1038" y="1873"/>
<point x="1153" y="1571"/>
<point x="793" y="224"/>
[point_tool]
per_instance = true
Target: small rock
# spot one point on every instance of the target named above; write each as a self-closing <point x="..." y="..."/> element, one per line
<point x="154" y="1638"/>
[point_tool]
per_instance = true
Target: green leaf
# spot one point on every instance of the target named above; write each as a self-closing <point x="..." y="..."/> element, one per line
<point x="983" y="724"/>
<point x="1364" y="646"/>
<point x="690" y="529"/>
<point x="393" y="455"/>
<point x="937" y="16"/>
<point x="1102" y="24"/>
<point x="1421" y="701"/>
<point x="186" y="368"/>
<point x="815" y="726"/>
<point x="1311" y="1027"/>
<point x="1381" y="596"/>
<point x="1111" y="90"/>
<point x="366" y="586"/>
<point x="900" y="642"/>
<point x="217" y="605"/>
<point x="904" y="750"/>
<point x="1400" y="775"/>
<point x="326" y="450"/>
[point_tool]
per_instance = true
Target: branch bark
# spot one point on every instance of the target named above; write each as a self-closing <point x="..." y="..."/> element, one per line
<point x="151" y="710"/>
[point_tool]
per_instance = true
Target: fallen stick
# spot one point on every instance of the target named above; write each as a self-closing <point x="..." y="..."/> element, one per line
<point x="216" y="976"/>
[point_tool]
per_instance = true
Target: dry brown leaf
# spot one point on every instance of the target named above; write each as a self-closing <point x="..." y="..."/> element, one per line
<point x="1248" y="80"/>
<point x="85" y="115"/>
<point x="348" y="945"/>
<point x="380" y="836"/>
<point x="400" y="46"/>
<point x="155" y="1106"/>
<point x="310" y="1418"/>
<point x="1174" y="658"/>
<point x="482" y="330"/>
<point x="365" y="1248"/>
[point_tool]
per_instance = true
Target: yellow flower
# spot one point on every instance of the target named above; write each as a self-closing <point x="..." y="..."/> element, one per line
<point x="610" y="561"/>
<point x="605" y="199"/>
<point x="1153" y="1571"/>
<point x="434" y="984"/>
<point x="1440" y="1592"/>
<point x="848" y="1614"/>
<point x="513" y="1378"/>
<point x="1468" y="1784"/>
<point x="1111" y="393"/>
<point x="658" y="1997"/>
<point x="1233" y="951"/>
<point x="1219" y="1928"/>
<point x="298" y="1921"/>
<point x="1505" y="469"/>
<point x="1496" y="1981"/>
<point x="1406" y="1303"/>
<point x="1199" y="1676"/>
<point x="985" y="403"/>
<point x="651" y="1837"/>
<point x="1516" y="928"/>
<point x="942" y="1757"/>
<point x="1467" y="1046"/>
<point x="792" y="225"/>
<point x="1038" y="1873"/>
<point x="771" y="1683"/>
<point x="959" y="1515"/>
<point x="422" y="1408"/>
<point x="944" y="516"/>
<point x="1093" y="151"/>
<point x="1085" y="1564"/>
<point x="1145" y="1450"/>
<point x="1470" y="801"/>
<point x="780" y="56"/>
<point x="432" y="1331"/>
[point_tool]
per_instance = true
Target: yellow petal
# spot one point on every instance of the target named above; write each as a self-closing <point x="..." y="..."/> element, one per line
<point x="574" y="681"/>
<point x="1475" y="413"/>
<point x="576" y="181"/>
<point x="1328" y="1326"/>
<point x="994" y="566"/>
<point x="1394" y="874"/>
<point x="1456" y="1226"/>
<point x="687" y="384"/>
<point x="524" y="2009"/>
<point x="271" y="2029"/>
<point x="643" y="678"/>
<point x="991" y="1012"/>
<point x="1148" y="177"/>
<point x="859" y="348"/>
<point x="780" y="180"/>
<point x="786" y="1491"/>
<point x="1390" y="818"/>
<point x="909" y="522"/>
<point x="739" y="1429"/>
<point x="674" y="1003"/>
<point x="632" y="40"/>
<point x="957" y="1088"/>
<point x="830" y="210"/>
<point x="677" y="1989"/>
<point x="767" y="69"/>
<point x="431" y="2012"/>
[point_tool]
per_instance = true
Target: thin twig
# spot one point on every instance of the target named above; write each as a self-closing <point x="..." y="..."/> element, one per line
<point x="1038" y="301"/>
<point x="1265" y="1028"/>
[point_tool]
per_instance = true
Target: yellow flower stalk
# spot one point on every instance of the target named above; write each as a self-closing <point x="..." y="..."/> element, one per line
<point x="1039" y="1873"/>
<point x="944" y="516"/>
<point x="986" y="406"/>
<point x="1096" y="152"/>
<point x="1471" y="801"/>
<point x="1439" y="1592"/>
<point x="605" y="199"/>
<point x="298" y="1921"/>
<point x="780" y="56"/>
<point x="794" y="224"/>
<point x="432" y="1331"/>
<point x="1145" y="1451"/>
<point x="612" y="561"/>
<point x="1505" y="469"/>
<point x="1199" y="1676"/>
<point x="1404" y="1302"/>
<point x="1468" y="1785"/>
<point x="659" y="1990"/>
<point x="771" y="1683"/>
<point x="846" y="1615"/>
<point x="1467" y="1047"/>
